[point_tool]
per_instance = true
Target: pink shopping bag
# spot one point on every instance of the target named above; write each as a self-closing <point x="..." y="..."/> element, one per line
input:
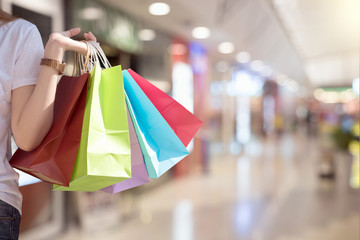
<point x="139" y="174"/>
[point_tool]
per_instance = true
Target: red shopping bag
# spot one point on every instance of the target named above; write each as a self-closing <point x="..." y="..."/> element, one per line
<point x="182" y="122"/>
<point x="53" y="161"/>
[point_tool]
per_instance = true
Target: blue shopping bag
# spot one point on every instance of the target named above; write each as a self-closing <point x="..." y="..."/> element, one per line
<point x="161" y="147"/>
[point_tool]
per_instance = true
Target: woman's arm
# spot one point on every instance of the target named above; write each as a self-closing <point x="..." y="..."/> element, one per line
<point x="32" y="106"/>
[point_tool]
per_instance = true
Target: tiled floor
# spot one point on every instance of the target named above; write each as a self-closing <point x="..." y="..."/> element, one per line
<point x="271" y="191"/>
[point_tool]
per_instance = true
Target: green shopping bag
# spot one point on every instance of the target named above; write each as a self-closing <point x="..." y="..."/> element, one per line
<point x="104" y="157"/>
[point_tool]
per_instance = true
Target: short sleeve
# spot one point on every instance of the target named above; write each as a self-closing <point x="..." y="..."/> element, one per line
<point x="27" y="63"/>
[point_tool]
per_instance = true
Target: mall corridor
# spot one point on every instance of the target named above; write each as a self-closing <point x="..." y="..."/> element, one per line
<point x="269" y="191"/>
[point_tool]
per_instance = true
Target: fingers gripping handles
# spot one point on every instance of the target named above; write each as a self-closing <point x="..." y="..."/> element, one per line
<point x="86" y="63"/>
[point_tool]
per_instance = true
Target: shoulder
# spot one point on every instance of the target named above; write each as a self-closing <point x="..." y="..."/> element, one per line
<point x="18" y="30"/>
<point x="19" y="33"/>
<point x="20" y="26"/>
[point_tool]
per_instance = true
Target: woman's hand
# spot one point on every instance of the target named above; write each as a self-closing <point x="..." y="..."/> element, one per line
<point x="59" y="42"/>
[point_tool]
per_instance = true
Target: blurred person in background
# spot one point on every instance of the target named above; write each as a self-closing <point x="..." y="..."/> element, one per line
<point x="27" y="94"/>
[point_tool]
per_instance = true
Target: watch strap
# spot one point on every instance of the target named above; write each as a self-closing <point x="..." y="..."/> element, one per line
<point x="54" y="64"/>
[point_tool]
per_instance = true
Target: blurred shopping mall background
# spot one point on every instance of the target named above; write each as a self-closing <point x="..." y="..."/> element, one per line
<point x="276" y="83"/>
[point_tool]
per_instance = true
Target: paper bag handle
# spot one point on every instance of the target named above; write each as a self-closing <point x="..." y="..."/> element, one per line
<point x="86" y="63"/>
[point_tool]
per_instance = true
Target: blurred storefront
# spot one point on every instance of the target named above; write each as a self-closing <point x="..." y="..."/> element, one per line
<point x="190" y="88"/>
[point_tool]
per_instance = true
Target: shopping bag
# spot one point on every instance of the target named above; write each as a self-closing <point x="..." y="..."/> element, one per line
<point x="139" y="175"/>
<point x="53" y="160"/>
<point x="104" y="154"/>
<point x="159" y="144"/>
<point x="183" y="123"/>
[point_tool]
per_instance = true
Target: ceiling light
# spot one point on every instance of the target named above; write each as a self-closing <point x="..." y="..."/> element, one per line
<point x="243" y="57"/>
<point x="91" y="13"/>
<point x="146" y="35"/>
<point x="257" y="65"/>
<point x="334" y="96"/>
<point x="159" y="9"/>
<point x="201" y="32"/>
<point x="293" y="86"/>
<point x="226" y="47"/>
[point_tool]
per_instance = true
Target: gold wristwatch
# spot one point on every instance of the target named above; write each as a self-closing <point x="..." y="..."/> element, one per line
<point x="54" y="64"/>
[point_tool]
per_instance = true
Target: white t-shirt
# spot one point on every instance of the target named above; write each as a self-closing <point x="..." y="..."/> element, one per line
<point x="21" y="50"/>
